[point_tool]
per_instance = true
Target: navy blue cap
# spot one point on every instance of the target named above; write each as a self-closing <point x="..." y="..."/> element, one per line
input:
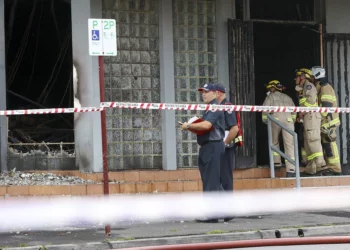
<point x="221" y="88"/>
<point x="208" y="87"/>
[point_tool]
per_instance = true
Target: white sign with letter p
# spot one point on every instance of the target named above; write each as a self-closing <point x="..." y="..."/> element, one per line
<point x="102" y="37"/>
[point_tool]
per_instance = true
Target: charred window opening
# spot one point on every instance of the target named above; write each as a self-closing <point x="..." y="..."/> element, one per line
<point x="295" y="10"/>
<point x="239" y="9"/>
<point x="39" y="63"/>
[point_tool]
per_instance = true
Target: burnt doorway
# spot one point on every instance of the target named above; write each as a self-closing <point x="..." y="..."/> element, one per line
<point x="241" y="81"/>
<point x="279" y="49"/>
<point x="38" y="38"/>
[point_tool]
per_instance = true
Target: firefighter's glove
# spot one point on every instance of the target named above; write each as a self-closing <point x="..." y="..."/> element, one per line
<point x="324" y="130"/>
<point x="298" y="88"/>
<point x="330" y="133"/>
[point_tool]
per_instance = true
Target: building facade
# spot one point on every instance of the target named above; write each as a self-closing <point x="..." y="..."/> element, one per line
<point x="166" y="50"/>
<point x="135" y="137"/>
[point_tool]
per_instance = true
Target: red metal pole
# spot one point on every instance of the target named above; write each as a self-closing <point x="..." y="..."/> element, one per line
<point x="104" y="136"/>
<point x="250" y="243"/>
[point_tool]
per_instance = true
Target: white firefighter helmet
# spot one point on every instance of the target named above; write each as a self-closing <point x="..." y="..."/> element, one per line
<point x="318" y="72"/>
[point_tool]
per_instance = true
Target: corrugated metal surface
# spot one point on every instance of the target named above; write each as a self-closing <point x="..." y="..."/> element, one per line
<point x="337" y="48"/>
<point x="242" y="91"/>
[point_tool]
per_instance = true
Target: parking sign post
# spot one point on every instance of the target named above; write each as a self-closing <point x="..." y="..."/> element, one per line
<point x="103" y="42"/>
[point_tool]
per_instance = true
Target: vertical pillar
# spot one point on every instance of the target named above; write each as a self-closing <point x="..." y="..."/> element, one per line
<point x="87" y="127"/>
<point x="3" y="119"/>
<point x="246" y="10"/>
<point x="224" y="10"/>
<point x="320" y="11"/>
<point x="167" y="87"/>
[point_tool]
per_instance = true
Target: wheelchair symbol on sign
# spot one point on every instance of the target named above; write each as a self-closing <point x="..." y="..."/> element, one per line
<point x="95" y="35"/>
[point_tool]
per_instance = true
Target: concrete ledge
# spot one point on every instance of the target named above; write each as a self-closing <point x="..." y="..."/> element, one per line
<point x="248" y="235"/>
<point x="88" y="246"/>
<point x="187" y="239"/>
<point x="306" y="231"/>
<point x="148" y="242"/>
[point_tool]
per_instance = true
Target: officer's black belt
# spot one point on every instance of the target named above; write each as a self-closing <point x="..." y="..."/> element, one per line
<point x="208" y="142"/>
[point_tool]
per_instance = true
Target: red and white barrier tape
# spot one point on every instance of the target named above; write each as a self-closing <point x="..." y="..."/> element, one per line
<point x="174" y="106"/>
<point x="49" y="111"/>
<point x="243" y="108"/>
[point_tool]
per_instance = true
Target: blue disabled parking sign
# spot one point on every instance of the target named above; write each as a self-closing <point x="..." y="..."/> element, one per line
<point x="95" y="35"/>
<point x="102" y="37"/>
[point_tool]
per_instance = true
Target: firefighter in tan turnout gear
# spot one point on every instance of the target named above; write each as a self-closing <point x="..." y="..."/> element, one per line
<point x="312" y="123"/>
<point x="277" y="98"/>
<point x="330" y="121"/>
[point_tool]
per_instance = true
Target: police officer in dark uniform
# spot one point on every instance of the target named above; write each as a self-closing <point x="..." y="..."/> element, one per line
<point x="211" y="143"/>
<point x="231" y="131"/>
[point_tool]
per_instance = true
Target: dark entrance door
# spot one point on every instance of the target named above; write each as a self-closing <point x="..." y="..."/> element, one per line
<point x="242" y="90"/>
<point x="260" y="52"/>
<point x="279" y="49"/>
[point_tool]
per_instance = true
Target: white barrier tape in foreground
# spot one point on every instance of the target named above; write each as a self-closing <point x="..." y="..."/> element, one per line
<point x="36" y="213"/>
<point x="174" y="106"/>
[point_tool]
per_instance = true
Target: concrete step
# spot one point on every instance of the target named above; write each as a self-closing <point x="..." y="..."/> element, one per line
<point x="173" y="186"/>
<point x="161" y="175"/>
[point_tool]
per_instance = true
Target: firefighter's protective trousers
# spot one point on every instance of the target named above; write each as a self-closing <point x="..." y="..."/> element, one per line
<point x="312" y="130"/>
<point x="329" y="124"/>
<point x="280" y="99"/>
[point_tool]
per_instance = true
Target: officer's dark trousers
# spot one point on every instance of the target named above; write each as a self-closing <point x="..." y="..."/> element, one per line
<point x="227" y="164"/>
<point x="209" y="165"/>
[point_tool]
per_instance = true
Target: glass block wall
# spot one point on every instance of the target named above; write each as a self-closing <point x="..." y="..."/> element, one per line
<point x="195" y="64"/>
<point x="134" y="136"/>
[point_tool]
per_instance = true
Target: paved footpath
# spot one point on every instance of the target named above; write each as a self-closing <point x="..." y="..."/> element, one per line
<point x="129" y="234"/>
